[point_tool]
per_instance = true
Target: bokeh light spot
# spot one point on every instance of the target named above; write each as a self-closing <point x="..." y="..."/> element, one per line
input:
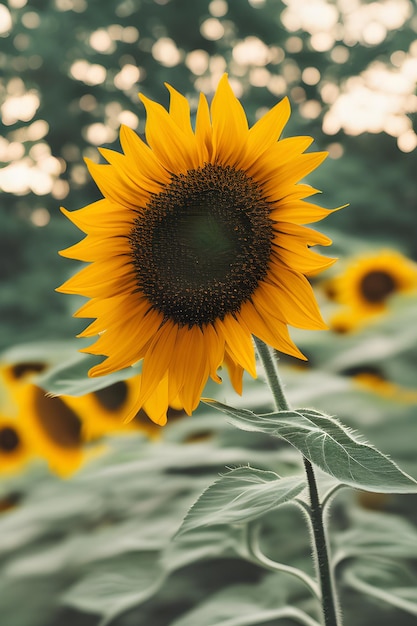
<point x="5" y="20"/>
<point x="251" y="51"/>
<point x="99" y="133"/>
<point x="212" y="29"/>
<point x="218" y="8"/>
<point x="407" y="142"/>
<point x="40" y="217"/>
<point x="197" y="61"/>
<point x="130" y="34"/>
<point x="294" y="44"/>
<point x="128" y="119"/>
<point x="339" y="54"/>
<point x="166" y="52"/>
<point x="335" y="150"/>
<point x="310" y="76"/>
<point x="31" y="19"/>
<point x="310" y="109"/>
<point x="127" y="77"/>
<point x="101" y="41"/>
<point x="20" y="108"/>
<point x="90" y="74"/>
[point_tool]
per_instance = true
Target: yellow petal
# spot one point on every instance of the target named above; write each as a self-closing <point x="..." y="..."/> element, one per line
<point x="280" y="153"/>
<point x="100" y="279"/>
<point x="94" y="248"/>
<point x="215" y="347"/>
<point x="134" y="339"/>
<point x="101" y="216"/>
<point x="196" y="371"/>
<point x="114" y="187"/>
<point x="290" y="298"/>
<point x="239" y="343"/>
<point x="203" y="131"/>
<point x="170" y="144"/>
<point x="146" y="162"/>
<point x="130" y="175"/>
<point x="266" y="131"/>
<point x="179" y="110"/>
<point x="156" y="406"/>
<point x="290" y="173"/>
<point x="299" y="212"/>
<point x="235" y="372"/>
<point x="157" y="359"/>
<point x="269" y="330"/>
<point x="230" y="126"/>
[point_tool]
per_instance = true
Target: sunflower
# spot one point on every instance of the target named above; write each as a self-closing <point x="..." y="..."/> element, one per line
<point x="102" y="412"/>
<point x="345" y="321"/>
<point x="15" y="449"/>
<point x="369" y="281"/>
<point x="53" y="429"/>
<point x="198" y="244"/>
<point x="16" y="373"/>
<point x="374" y="380"/>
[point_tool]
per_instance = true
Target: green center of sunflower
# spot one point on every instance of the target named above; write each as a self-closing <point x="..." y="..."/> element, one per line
<point x="377" y="285"/>
<point x="201" y="246"/>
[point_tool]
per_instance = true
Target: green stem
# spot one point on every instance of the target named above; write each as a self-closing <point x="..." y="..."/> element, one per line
<point x="272" y="375"/>
<point x="258" y="556"/>
<point x="328" y="497"/>
<point x="322" y="555"/>
<point x="330" y="616"/>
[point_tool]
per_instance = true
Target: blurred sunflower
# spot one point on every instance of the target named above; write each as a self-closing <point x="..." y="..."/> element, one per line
<point x="369" y="281"/>
<point x="53" y="428"/>
<point x="345" y="321"/>
<point x="197" y="245"/>
<point x="372" y="379"/>
<point x="15" y="449"/>
<point x="102" y="412"/>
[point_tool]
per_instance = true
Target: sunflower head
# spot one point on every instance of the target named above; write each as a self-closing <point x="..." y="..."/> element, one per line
<point x="53" y="429"/>
<point x="15" y="450"/>
<point x="368" y="281"/>
<point x="197" y="244"/>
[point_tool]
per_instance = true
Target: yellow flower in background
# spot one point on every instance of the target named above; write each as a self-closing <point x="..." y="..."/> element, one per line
<point x="197" y="245"/>
<point x="102" y="412"/>
<point x="345" y="321"/>
<point x="385" y="388"/>
<point x="53" y="428"/>
<point x="15" y="447"/>
<point x="16" y="373"/>
<point x="34" y="425"/>
<point x="370" y="280"/>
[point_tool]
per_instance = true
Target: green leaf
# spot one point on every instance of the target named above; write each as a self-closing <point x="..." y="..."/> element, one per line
<point x="377" y="534"/>
<point x="390" y="582"/>
<point x="241" y="495"/>
<point x="125" y="583"/>
<point x="214" y="542"/>
<point x="71" y="377"/>
<point x="330" y="445"/>
<point x="249" y="605"/>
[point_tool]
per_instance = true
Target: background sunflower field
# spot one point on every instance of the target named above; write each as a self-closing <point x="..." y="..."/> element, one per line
<point x="88" y="505"/>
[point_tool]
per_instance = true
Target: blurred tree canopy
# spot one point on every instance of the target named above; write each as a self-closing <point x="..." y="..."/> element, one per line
<point x="71" y="71"/>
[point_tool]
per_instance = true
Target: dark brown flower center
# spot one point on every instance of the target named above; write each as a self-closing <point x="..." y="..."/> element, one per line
<point x="61" y="425"/>
<point x="22" y="369"/>
<point x="112" y="397"/>
<point x="377" y="285"/>
<point x="9" y="439"/>
<point x="201" y="246"/>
